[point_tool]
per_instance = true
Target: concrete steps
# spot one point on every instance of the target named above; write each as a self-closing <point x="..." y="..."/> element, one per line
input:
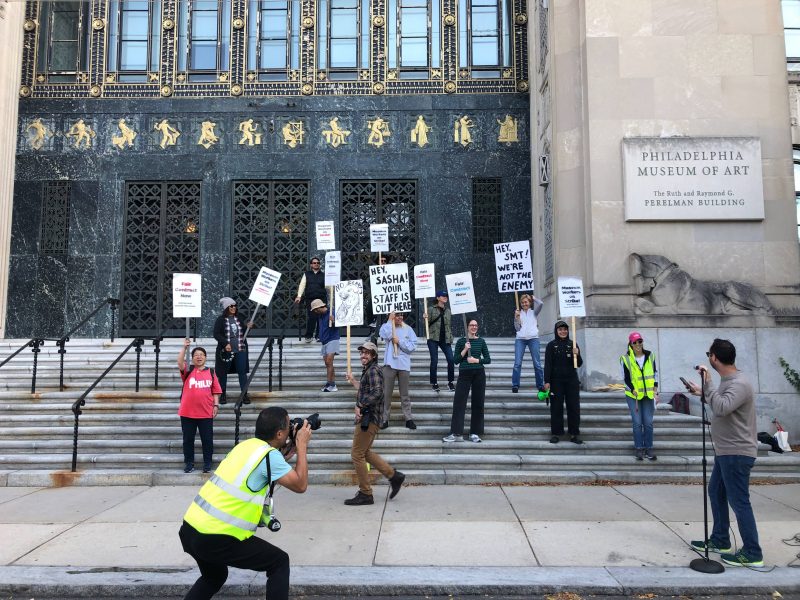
<point x="130" y="437"/>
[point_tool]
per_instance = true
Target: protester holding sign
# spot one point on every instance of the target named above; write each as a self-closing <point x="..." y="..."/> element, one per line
<point x="311" y="287"/>
<point x="231" y="354"/>
<point x="397" y="367"/>
<point x="329" y="338"/>
<point x="199" y="405"/>
<point x="440" y="336"/>
<point x="527" y="338"/>
<point x="561" y="378"/>
<point x="471" y="354"/>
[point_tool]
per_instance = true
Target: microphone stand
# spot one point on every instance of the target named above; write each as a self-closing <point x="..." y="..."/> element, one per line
<point x="705" y="564"/>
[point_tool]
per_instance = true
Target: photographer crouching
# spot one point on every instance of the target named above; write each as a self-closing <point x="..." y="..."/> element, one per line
<point x="369" y="416"/>
<point x="218" y="528"/>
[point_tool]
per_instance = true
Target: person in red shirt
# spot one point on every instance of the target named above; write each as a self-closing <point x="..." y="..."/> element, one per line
<point x="199" y="405"/>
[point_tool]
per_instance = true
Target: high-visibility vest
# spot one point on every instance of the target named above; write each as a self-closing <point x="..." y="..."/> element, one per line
<point x="643" y="380"/>
<point x="225" y="505"/>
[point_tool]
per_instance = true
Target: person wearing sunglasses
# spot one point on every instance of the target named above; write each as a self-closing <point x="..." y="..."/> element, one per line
<point x="640" y="375"/>
<point x="312" y="287"/>
<point x="231" y="355"/>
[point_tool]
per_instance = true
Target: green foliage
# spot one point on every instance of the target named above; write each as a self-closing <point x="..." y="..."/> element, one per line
<point x="791" y="375"/>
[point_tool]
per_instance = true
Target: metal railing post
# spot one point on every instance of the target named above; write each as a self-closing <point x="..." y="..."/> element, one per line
<point x="280" y="363"/>
<point x="76" y="409"/>
<point x="35" y="343"/>
<point x="270" y="364"/>
<point x="138" y="345"/>
<point x="238" y="412"/>
<point x="62" y="350"/>
<point x="156" y="351"/>
<point x="114" y="303"/>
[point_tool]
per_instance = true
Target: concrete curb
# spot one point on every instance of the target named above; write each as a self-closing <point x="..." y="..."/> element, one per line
<point x="84" y="582"/>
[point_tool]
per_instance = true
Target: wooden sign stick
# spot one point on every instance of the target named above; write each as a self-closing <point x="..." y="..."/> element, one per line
<point x="425" y="308"/>
<point x="252" y="320"/>
<point x="349" y="370"/>
<point x="466" y="331"/>
<point x="516" y="298"/>
<point x="574" y="335"/>
<point x="393" y="342"/>
<point x="188" y="351"/>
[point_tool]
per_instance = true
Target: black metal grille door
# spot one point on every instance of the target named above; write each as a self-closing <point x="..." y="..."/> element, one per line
<point x="270" y="229"/>
<point x="162" y="231"/>
<point x="366" y="202"/>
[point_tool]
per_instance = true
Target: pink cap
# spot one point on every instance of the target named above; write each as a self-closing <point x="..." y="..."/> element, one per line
<point x="634" y="337"/>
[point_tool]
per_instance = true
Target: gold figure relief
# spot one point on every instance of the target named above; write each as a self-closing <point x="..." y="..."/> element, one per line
<point x="251" y="134"/>
<point x="335" y="136"/>
<point x="82" y="134"/>
<point x="126" y="137"/>
<point x="293" y="134"/>
<point x="419" y="135"/>
<point x="208" y="135"/>
<point x="378" y="132"/>
<point x="461" y="131"/>
<point x="508" y="130"/>
<point x="169" y="135"/>
<point x="39" y="136"/>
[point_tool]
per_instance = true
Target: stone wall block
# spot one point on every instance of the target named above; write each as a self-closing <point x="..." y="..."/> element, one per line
<point x="749" y="16"/>
<point x="619" y="18"/>
<point x="665" y="56"/>
<point x="684" y="17"/>
<point x="710" y="55"/>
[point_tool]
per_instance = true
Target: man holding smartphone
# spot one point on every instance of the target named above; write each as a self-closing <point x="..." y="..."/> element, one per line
<point x="733" y="431"/>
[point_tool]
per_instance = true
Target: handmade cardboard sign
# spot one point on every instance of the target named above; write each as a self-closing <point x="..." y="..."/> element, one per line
<point x="326" y="240"/>
<point x="570" y="297"/>
<point x="333" y="267"/>
<point x="186" y="295"/>
<point x="349" y="302"/>
<point x="513" y="263"/>
<point x="424" y="281"/>
<point x="265" y="286"/>
<point x="379" y="237"/>
<point x="461" y="293"/>
<point x="389" y="288"/>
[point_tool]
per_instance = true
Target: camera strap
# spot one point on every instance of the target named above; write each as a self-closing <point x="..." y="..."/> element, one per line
<point x="270" y="483"/>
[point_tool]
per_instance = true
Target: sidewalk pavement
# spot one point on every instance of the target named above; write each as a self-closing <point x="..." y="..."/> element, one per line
<point x="625" y="539"/>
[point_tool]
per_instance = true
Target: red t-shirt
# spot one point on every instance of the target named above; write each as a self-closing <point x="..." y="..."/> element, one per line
<point x="197" y="399"/>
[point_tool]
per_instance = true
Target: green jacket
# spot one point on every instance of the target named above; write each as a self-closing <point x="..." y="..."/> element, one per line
<point x="438" y="319"/>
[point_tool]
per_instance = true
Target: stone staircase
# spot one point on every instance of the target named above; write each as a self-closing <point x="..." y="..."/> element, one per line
<point x="129" y="437"/>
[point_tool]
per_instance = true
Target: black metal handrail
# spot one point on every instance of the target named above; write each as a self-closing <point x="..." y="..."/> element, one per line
<point x="237" y="408"/>
<point x="76" y="406"/>
<point x="36" y="344"/>
<point x="62" y="341"/>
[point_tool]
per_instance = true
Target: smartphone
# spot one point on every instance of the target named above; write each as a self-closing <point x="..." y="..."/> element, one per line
<point x="686" y="383"/>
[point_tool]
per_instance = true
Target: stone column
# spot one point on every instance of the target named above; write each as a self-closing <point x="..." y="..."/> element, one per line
<point x="11" y="18"/>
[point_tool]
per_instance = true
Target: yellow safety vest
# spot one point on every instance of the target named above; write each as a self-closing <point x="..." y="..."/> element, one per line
<point x="643" y="380"/>
<point x="225" y="505"/>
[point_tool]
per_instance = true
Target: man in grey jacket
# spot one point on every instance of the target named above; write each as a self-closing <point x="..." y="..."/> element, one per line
<point x="733" y="431"/>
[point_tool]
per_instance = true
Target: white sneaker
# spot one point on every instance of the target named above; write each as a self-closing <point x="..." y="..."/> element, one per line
<point x="474" y="437"/>
<point x="330" y="388"/>
<point x="308" y="340"/>
<point x="453" y="438"/>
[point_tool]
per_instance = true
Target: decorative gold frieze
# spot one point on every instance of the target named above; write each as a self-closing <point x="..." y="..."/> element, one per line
<point x="95" y="91"/>
<point x="152" y="77"/>
<point x="223" y="77"/>
<point x="40" y="78"/>
<point x="166" y="91"/>
<point x="449" y="20"/>
<point x="378" y="88"/>
<point x="81" y="133"/>
<point x="335" y="136"/>
<point x="450" y="87"/>
<point x="169" y="134"/>
<point x="251" y="133"/>
<point x="24" y="91"/>
<point x="208" y="135"/>
<point x="378" y="21"/>
<point x="293" y="134"/>
<point x="238" y="23"/>
<point x="419" y="135"/>
<point x="40" y="134"/>
<point x="521" y="19"/>
<point x="168" y="24"/>
<point x="522" y="86"/>
<point x="378" y="132"/>
<point x="508" y="130"/>
<point x="126" y="137"/>
<point x="308" y="22"/>
<point x="461" y="131"/>
<point x="111" y="78"/>
<point x="236" y="90"/>
<point x="98" y="24"/>
<point x="307" y="89"/>
<point x="29" y="25"/>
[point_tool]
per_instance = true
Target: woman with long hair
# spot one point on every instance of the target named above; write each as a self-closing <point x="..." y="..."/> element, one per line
<point x="640" y="375"/>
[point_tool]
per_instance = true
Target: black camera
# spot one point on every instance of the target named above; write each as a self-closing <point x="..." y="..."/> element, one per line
<point x="365" y="412"/>
<point x="313" y="420"/>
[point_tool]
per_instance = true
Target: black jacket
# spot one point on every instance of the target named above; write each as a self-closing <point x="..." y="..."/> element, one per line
<point x="558" y="360"/>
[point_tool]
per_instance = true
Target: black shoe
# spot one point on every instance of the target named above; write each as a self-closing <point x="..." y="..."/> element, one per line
<point x="639" y="454"/>
<point x="206" y="468"/>
<point x="650" y="455"/>
<point x="435" y="387"/>
<point x="514" y="390"/>
<point x="360" y="500"/>
<point x="410" y="424"/>
<point x="385" y="425"/>
<point x="554" y="439"/>
<point x="395" y="482"/>
<point x="188" y="468"/>
<point x="575" y="440"/>
<point x="451" y="386"/>
<point x="246" y="399"/>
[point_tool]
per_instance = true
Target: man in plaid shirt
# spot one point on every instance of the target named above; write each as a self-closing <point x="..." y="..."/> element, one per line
<point x="368" y="415"/>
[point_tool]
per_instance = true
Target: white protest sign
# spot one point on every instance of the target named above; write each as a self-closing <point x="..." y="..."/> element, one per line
<point x="389" y="287"/>
<point x="424" y="281"/>
<point x="333" y="267"/>
<point x="461" y="293"/>
<point x="349" y="302"/>
<point x="570" y="297"/>
<point x="186" y="300"/>
<point x="513" y="263"/>
<point x="264" y="286"/>
<point x="379" y="237"/>
<point x="326" y="240"/>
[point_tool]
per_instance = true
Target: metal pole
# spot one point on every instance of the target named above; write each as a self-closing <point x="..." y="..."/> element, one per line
<point x="114" y="303"/>
<point x="156" y="351"/>
<point x="270" y="363"/>
<point x="138" y="343"/>
<point x="35" y="343"/>
<point x="280" y="363"/>
<point x="61" y="351"/>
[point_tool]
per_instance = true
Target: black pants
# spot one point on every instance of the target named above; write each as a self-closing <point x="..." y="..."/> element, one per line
<point x="190" y="427"/>
<point x="474" y="379"/>
<point x="215" y="553"/>
<point x="565" y="391"/>
<point x="312" y="319"/>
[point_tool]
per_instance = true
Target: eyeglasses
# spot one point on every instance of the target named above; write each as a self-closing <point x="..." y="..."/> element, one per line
<point x="314" y="262"/>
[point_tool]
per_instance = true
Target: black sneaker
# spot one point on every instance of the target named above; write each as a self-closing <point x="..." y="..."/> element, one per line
<point x="246" y="399"/>
<point x="554" y="439"/>
<point x="396" y="482"/>
<point x="451" y="386"/>
<point x="410" y="424"/>
<point x="650" y="455"/>
<point x="188" y="468"/>
<point x="360" y="500"/>
<point x="206" y="468"/>
<point x="435" y="387"/>
<point x="740" y="559"/>
<point x="514" y="390"/>
<point x="700" y="546"/>
<point x="639" y="454"/>
<point x="575" y="440"/>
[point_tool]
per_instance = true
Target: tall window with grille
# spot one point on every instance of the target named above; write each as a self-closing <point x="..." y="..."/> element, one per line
<point x="791" y="27"/>
<point x="487" y="222"/>
<point x="54" y="238"/>
<point x="414" y="45"/>
<point x="64" y="36"/>
<point x="273" y="38"/>
<point x="134" y="39"/>
<point x="204" y="38"/>
<point x="344" y="37"/>
<point x="484" y="37"/>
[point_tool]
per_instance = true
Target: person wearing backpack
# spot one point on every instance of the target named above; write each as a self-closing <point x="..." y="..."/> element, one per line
<point x="640" y="375"/>
<point x="199" y="405"/>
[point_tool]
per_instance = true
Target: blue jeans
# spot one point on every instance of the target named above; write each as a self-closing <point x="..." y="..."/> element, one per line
<point x="642" y="421"/>
<point x="433" y="348"/>
<point x="519" y="352"/>
<point x="730" y="484"/>
<point x="238" y="365"/>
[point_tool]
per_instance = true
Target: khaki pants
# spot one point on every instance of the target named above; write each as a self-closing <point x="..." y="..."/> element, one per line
<point x="389" y="375"/>
<point x="362" y="454"/>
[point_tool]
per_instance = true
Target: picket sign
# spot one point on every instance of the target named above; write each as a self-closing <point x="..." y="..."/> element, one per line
<point x="514" y="271"/>
<point x="390" y="290"/>
<point x="572" y="304"/>
<point x="424" y="287"/>
<point x="349" y="298"/>
<point x="461" y="294"/>
<point x="187" y="298"/>
<point x="326" y="240"/>
<point x="263" y="289"/>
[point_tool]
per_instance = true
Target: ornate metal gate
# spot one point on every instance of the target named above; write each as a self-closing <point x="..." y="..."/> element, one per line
<point x="366" y="202"/>
<point x="270" y="228"/>
<point x="162" y="237"/>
